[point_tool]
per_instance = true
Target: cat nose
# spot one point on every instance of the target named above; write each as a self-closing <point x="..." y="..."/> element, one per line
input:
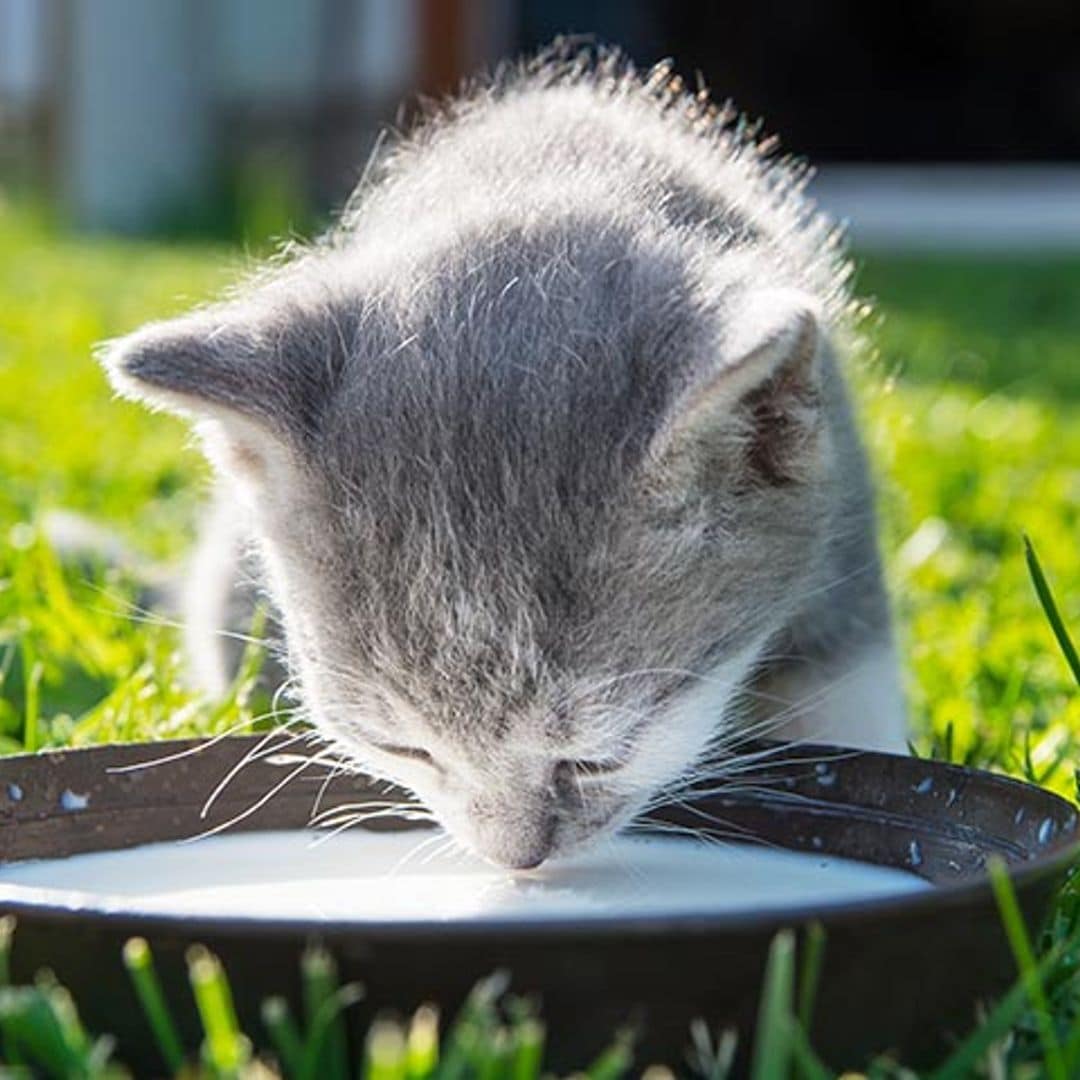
<point x="529" y="860"/>
<point x="521" y="844"/>
<point x="526" y="864"/>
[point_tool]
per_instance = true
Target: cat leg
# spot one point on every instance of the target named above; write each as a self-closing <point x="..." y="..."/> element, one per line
<point x="219" y="599"/>
<point x="856" y="703"/>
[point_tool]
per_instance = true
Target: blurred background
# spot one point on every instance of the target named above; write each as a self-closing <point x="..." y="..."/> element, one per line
<point x="934" y="123"/>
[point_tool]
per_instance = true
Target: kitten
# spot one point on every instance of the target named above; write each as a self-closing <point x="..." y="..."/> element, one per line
<point x="548" y="459"/>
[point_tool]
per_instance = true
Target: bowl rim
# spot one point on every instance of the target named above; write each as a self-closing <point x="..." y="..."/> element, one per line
<point x="972" y="890"/>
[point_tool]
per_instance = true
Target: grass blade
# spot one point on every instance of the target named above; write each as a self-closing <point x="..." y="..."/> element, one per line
<point x="810" y="976"/>
<point x="962" y="1062"/>
<point x="7" y="1038"/>
<point x="225" y="1049"/>
<point x="477" y="1016"/>
<point x="615" y="1061"/>
<point x="140" y="967"/>
<point x="772" y="1042"/>
<point x="327" y="1025"/>
<point x="63" y="1008"/>
<point x="527" y="1059"/>
<point x="422" y="1052"/>
<point x="33" y="670"/>
<point x="1029" y="969"/>
<point x="387" y="1055"/>
<point x="7" y="930"/>
<point x="319" y="976"/>
<point x="494" y="1063"/>
<point x="807" y="1063"/>
<point x="28" y="1016"/>
<point x="284" y="1035"/>
<point x="1049" y="606"/>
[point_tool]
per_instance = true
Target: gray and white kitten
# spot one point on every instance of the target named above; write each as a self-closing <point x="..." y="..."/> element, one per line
<point x="547" y="459"/>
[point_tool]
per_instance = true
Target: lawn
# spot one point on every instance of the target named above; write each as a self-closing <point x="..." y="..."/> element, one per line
<point x="971" y="406"/>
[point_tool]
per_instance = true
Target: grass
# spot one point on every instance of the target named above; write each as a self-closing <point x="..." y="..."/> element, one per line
<point x="974" y="421"/>
<point x="972" y="411"/>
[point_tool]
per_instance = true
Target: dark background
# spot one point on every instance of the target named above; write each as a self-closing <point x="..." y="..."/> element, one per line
<point x="842" y="80"/>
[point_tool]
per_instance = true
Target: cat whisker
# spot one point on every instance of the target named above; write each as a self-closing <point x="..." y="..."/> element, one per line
<point x="436" y="836"/>
<point x="126" y="608"/>
<point x="179" y="755"/>
<point x="439" y="850"/>
<point x="337" y="770"/>
<point x="710" y="837"/>
<point x="263" y="748"/>
<point x="338" y="825"/>
<point x="370" y="804"/>
<point x="254" y="808"/>
<point x="343" y="825"/>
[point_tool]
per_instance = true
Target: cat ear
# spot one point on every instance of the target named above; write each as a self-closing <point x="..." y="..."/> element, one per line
<point x="754" y="418"/>
<point x="253" y="378"/>
<point x="227" y="369"/>
<point x="207" y="364"/>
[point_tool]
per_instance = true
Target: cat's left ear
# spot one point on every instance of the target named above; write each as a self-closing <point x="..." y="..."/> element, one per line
<point x="231" y="369"/>
<point x="755" y="416"/>
<point x="210" y="363"/>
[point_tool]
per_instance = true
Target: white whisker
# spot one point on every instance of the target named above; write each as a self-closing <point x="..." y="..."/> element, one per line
<point x="257" y="805"/>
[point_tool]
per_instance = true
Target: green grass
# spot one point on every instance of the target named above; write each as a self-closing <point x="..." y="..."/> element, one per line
<point x="972" y="412"/>
<point x="973" y="416"/>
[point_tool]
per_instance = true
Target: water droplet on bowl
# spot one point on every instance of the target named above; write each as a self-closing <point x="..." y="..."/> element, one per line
<point x="71" y="800"/>
<point x="817" y="842"/>
<point x="1046" y="830"/>
<point x="924" y="785"/>
<point x="14" y="793"/>
<point x="1018" y="816"/>
<point x="825" y="776"/>
<point x="951" y="797"/>
<point x="915" y="853"/>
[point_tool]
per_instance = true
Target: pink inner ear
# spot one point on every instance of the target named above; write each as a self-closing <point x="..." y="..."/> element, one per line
<point x="756" y="417"/>
<point x="785" y="416"/>
<point x="769" y="353"/>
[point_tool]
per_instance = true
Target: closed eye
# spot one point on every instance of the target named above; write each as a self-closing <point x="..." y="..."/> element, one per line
<point x="413" y="753"/>
<point x="597" y="767"/>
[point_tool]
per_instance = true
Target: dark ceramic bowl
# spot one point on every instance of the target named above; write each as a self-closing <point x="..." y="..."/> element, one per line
<point x="902" y="973"/>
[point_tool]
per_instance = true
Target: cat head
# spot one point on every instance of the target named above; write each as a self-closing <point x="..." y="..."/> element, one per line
<point x="529" y="514"/>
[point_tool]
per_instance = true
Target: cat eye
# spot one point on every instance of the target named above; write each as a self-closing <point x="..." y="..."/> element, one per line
<point x="413" y="753"/>
<point x="585" y="768"/>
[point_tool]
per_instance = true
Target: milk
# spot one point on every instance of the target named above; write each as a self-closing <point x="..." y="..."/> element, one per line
<point x="408" y="876"/>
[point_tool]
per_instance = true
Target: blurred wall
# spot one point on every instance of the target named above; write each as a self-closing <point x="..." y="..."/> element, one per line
<point x="139" y="114"/>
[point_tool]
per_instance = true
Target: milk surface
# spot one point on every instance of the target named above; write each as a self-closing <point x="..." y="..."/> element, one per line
<point x="410" y="876"/>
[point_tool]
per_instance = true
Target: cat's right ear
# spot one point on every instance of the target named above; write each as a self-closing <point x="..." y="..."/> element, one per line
<point x="753" y="418"/>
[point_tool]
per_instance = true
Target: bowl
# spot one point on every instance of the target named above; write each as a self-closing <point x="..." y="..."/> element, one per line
<point x="902" y="973"/>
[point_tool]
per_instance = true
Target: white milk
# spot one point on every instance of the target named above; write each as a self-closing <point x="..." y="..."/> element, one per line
<point x="410" y="875"/>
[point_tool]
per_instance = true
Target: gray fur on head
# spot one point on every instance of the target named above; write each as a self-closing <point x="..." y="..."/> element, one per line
<point x="547" y="454"/>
